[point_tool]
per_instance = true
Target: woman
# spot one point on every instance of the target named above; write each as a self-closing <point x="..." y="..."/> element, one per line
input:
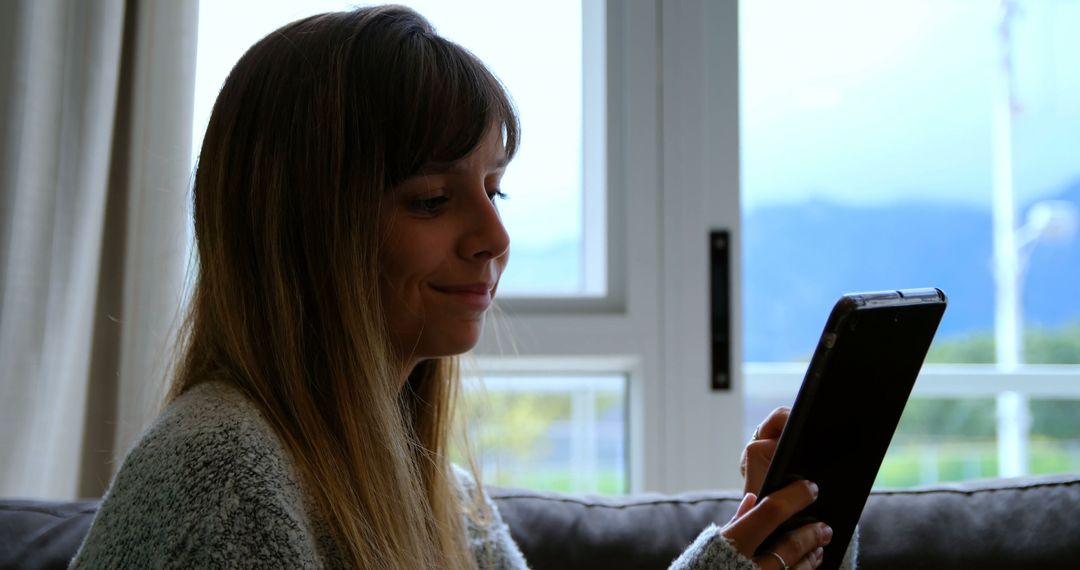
<point x="349" y="245"/>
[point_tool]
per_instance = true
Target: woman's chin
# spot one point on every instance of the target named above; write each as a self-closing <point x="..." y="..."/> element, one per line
<point x="453" y="342"/>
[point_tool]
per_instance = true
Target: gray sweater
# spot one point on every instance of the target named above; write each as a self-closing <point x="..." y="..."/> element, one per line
<point x="209" y="485"/>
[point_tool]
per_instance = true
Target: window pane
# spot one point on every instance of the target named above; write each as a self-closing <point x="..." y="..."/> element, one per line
<point x="557" y="433"/>
<point x="871" y="155"/>
<point x="941" y="440"/>
<point x="953" y="440"/>
<point x="1055" y="436"/>
<point x="546" y="212"/>
<point x="922" y="143"/>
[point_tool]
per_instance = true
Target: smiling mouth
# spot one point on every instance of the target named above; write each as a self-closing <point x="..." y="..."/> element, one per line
<point x="475" y="295"/>
<point x="471" y="289"/>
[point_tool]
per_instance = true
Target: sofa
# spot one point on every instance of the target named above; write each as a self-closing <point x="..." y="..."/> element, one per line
<point x="1031" y="522"/>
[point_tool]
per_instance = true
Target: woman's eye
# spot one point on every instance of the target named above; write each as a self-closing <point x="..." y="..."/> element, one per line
<point x="493" y="194"/>
<point x="429" y="205"/>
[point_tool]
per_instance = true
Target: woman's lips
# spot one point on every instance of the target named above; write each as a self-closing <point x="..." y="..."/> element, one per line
<point x="475" y="295"/>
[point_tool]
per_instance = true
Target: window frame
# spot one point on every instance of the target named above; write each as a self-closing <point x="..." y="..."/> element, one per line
<point x="673" y="139"/>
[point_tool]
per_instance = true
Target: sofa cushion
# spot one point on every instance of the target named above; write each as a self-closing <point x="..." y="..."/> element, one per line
<point x="1031" y="522"/>
<point x="638" y="532"/>
<point x="42" y="534"/>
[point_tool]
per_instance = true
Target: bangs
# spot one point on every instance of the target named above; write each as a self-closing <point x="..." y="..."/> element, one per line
<point x="445" y="102"/>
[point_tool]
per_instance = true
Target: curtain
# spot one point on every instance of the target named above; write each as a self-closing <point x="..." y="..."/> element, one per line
<point x="95" y="138"/>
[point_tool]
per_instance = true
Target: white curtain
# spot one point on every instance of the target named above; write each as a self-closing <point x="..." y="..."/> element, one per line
<point x="95" y="138"/>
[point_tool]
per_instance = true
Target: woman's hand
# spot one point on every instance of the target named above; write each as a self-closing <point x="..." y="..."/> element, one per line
<point x="800" y="549"/>
<point x="759" y="452"/>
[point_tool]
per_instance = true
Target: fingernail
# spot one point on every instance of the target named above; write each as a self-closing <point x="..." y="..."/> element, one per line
<point x="819" y="557"/>
<point x="826" y="533"/>
<point x="814" y="489"/>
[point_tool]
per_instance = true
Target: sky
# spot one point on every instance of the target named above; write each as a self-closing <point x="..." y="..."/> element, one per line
<point x="877" y="102"/>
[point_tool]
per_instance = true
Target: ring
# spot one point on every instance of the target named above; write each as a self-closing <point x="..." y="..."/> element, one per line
<point x="783" y="565"/>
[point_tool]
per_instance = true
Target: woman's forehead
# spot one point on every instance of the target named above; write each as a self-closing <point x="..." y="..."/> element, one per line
<point x="489" y="155"/>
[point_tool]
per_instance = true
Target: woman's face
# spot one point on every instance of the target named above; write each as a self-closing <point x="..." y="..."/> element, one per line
<point x="443" y="252"/>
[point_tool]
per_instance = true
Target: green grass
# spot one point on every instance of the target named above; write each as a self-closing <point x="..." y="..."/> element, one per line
<point x="609" y="482"/>
<point x="908" y="464"/>
<point x="922" y="462"/>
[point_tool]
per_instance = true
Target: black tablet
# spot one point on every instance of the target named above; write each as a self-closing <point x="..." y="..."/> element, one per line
<point x="850" y="403"/>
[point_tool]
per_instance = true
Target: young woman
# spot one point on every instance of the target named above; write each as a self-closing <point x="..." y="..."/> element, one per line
<point x="349" y="245"/>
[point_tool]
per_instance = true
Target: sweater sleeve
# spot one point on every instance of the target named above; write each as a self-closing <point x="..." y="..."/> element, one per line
<point x="215" y="496"/>
<point x="712" y="551"/>
<point x="489" y="537"/>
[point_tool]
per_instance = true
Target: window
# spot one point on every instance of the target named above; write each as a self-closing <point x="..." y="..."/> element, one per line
<point x="908" y="144"/>
<point x="562" y="432"/>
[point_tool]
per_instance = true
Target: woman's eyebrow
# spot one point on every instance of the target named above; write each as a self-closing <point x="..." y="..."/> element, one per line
<point x="455" y="167"/>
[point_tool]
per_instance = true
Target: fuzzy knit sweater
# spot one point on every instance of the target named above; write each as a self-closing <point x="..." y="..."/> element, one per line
<point x="209" y="485"/>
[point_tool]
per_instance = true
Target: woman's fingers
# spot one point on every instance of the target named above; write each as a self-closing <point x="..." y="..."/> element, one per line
<point x="755" y="525"/>
<point x="759" y="452"/>
<point x="774" y="424"/>
<point x="757" y="456"/>
<point x="748" y="502"/>
<point x="800" y="548"/>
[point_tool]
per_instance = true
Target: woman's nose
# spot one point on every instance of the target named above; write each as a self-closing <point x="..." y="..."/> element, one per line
<point x="486" y="236"/>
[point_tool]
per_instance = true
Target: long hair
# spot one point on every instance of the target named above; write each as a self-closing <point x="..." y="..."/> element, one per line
<point x="313" y="128"/>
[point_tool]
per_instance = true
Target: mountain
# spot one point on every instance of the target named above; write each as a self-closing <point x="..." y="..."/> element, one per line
<point x="797" y="259"/>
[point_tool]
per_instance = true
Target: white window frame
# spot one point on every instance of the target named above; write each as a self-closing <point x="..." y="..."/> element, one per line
<point x="780" y="381"/>
<point x="961" y="381"/>
<point x="672" y="175"/>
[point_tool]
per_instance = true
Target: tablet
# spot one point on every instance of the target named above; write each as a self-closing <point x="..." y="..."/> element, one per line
<point x="850" y="403"/>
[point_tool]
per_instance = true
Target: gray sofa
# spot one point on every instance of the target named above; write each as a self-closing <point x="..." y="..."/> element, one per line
<point x="1032" y="522"/>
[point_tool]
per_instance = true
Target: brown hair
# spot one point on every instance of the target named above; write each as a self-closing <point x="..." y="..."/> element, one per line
<point x="313" y="127"/>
